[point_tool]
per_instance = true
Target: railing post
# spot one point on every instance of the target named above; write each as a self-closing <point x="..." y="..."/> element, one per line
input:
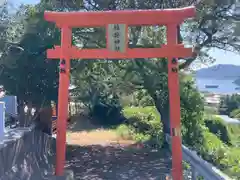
<point x="194" y="173"/>
<point x="2" y="119"/>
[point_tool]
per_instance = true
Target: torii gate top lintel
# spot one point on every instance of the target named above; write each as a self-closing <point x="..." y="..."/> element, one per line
<point x="171" y="18"/>
<point x="130" y="17"/>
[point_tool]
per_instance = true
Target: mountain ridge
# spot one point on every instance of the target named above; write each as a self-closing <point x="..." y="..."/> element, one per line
<point x="219" y="71"/>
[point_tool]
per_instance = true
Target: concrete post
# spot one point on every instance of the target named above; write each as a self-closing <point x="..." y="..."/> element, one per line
<point x="2" y="119"/>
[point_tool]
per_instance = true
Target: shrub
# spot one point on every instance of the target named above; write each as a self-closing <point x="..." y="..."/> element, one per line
<point x="219" y="154"/>
<point x="235" y="114"/>
<point x="134" y="111"/>
<point x="192" y="111"/>
<point x="145" y="123"/>
<point x="124" y="132"/>
<point x="147" y="120"/>
<point x="213" y="148"/>
<point x="234" y="131"/>
<point x="219" y="128"/>
<point x="230" y="164"/>
<point x="191" y="129"/>
<point x="228" y="133"/>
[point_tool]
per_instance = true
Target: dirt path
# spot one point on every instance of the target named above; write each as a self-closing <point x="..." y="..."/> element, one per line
<point x="82" y="132"/>
<point x="98" y="154"/>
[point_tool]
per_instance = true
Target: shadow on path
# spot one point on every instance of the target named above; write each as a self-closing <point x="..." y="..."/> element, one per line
<point x="113" y="162"/>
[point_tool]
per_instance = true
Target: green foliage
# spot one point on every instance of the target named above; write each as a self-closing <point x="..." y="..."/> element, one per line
<point x="191" y="121"/>
<point x="147" y="119"/>
<point x="144" y="123"/>
<point x="235" y="114"/>
<point x="213" y="148"/>
<point x="219" y="128"/>
<point x="234" y="131"/>
<point x="33" y="78"/>
<point x="228" y="133"/>
<point x="124" y="132"/>
<point x="98" y="81"/>
<point x="229" y="103"/>
<point x="225" y="158"/>
<point x="230" y="164"/>
<point x="192" y="110"/>
<point x="149" y="111"/>
<point x="138" y="98"/>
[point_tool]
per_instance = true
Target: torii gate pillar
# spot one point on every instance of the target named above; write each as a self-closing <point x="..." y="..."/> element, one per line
<point x="117" y="48"/>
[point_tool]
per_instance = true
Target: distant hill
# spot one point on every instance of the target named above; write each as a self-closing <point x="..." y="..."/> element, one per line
<point x="220" y="71"/>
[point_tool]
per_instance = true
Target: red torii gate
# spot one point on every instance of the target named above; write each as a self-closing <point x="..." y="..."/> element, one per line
<point x="171" y="18"/>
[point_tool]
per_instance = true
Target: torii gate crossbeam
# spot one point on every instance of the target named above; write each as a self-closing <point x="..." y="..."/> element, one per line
<point x="171" y="18"/>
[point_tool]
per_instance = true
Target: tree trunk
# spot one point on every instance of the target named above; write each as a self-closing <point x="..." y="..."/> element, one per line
<point x="45" y="118"/>
<point x="163" y="109"/>
<point x="165" y="118"/>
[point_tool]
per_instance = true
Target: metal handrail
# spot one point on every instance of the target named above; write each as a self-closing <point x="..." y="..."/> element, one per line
<point x="200" y="167"/>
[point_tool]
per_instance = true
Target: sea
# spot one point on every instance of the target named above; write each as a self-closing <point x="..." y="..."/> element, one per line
<point x="225" y="86"/>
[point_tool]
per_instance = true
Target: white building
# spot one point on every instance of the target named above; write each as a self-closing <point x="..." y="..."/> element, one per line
<point x="212" y="99"/>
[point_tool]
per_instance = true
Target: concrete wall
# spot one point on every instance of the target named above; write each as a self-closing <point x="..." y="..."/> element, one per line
<point x="27" y="154"/>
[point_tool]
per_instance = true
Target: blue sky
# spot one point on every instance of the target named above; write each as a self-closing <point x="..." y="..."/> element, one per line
<point x="221" y="57"/>
<point x="26" y="1"/>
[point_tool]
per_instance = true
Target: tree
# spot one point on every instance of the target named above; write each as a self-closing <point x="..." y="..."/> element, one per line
<point x="8" y="28"/>
<point x="30" y="76"/>
<point x="39" y="75"/>
<point x="229" y="103"/>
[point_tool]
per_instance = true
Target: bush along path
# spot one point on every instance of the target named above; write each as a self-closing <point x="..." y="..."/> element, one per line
<point x="96" y="153"/>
